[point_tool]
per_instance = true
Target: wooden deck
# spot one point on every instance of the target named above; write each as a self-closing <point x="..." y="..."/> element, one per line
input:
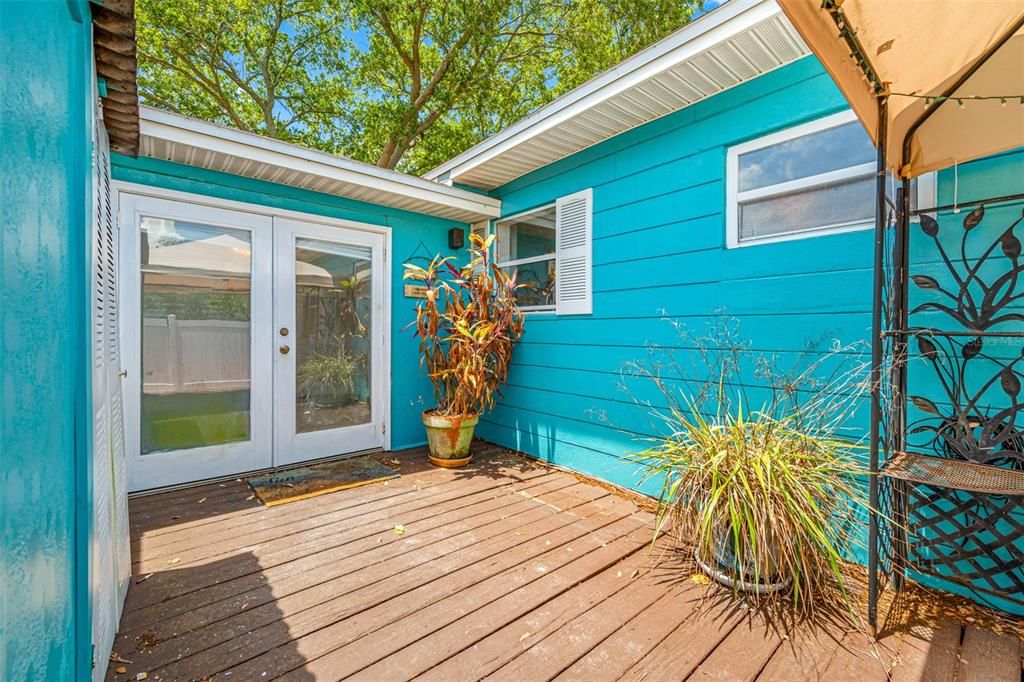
<point x="506" y="569"/>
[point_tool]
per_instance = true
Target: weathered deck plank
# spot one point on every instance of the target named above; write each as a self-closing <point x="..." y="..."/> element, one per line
<point x="314" y="599"/>
<point x="350" y="646"/>
<point x="858" y="659"/>
<point x="446" y="573"/>
<point x="379" y="517"/>
<point x="804" y="656"/>
<point x="987" y="657"/>
<point x="743" y="654"/>
<point x="610" y="659"/>
<point x="928" y="653"/>
<point x="507" y="569"/>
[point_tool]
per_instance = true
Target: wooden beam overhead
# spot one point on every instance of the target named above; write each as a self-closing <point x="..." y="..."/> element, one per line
<point x="112" y="41"/>
<point x="125" y="99"/>
<point x="125" y="62"/>
<point x="113" y="23"/>
<point x="116" y="62"/>
<point x="125" y="8"/>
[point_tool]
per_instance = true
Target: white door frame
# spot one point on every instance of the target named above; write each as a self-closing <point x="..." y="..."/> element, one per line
<point x="176" y="467"/>
<point x="291" y="447"/>
<point x="130" y="286"/>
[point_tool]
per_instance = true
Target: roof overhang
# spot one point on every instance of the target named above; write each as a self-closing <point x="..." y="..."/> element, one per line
<point x="735" y="43"/>
<point x="936" y="48"/>
<point x="113" y="38"/>
<point x="205" y="145"/>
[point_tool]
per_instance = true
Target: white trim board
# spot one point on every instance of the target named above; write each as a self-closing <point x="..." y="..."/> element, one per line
<point x="710" y="31"/>
<point x="198" y="143"/>
<point x="925" y="185"/>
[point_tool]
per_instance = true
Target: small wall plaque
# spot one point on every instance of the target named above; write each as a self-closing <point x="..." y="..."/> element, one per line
<point x="415" y="291"/>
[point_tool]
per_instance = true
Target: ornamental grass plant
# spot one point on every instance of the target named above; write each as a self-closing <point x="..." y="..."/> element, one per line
<point x="760" y="471"/>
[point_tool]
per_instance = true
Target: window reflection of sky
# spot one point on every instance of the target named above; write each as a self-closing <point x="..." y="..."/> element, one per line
<point x="838" y="204"/>
<point x="195" y="247"/>
<point x="826" y="150"/>
<point x="163" y="232"/>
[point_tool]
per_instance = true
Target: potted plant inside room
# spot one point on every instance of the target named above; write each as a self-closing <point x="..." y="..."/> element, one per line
<point x="467" y="325"/>
<point x="769" y="499"/>
<point x="328" y="380"/>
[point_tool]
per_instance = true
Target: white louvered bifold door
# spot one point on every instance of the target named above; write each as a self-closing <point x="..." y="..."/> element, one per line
<point x="573" y="236"/>
<point x="110" y="553"/>
<point x="118" y="457"/>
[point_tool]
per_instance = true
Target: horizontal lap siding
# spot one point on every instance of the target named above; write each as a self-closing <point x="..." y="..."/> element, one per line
<point x="660" y="260"/>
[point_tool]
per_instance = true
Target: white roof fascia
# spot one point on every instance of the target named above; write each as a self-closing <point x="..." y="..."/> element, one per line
<point x="721" y="24"/>
<point x="183" y="130"/>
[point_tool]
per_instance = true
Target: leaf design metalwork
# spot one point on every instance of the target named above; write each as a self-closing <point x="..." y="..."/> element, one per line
<point x="975" y="415"/>
<point x="967" y="294"/>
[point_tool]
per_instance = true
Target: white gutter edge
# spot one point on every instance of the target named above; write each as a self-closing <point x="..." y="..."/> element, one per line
<point x="203" y="135"/>
<point x="722" y="23"/>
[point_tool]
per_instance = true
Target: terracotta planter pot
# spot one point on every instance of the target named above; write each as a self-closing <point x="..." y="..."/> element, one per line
<point x="449" y="438"/>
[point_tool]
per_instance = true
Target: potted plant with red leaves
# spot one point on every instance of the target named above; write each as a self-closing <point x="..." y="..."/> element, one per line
<point x="467" y="325"/>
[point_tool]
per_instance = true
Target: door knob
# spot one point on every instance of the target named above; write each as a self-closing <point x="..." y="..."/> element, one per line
<point x="284" y="350"/>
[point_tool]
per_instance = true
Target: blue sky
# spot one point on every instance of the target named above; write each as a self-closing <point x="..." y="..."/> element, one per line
<point x="710" y="5"/>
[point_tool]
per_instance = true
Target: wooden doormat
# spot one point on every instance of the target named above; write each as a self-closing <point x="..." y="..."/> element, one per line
<point x="318" y="479"/>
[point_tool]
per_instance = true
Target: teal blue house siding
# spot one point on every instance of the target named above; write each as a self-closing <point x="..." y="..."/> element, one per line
<point x="45" y="503"/>
<point x="660" y="258"/>
<point x="413" y="236"/>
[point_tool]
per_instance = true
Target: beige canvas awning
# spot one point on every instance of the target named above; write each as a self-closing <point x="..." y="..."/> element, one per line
<point x="922" y="47"/>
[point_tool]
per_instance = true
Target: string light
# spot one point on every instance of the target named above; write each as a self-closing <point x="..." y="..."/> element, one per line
<point x="880" y="87"/>
<point x="961" y="102"/>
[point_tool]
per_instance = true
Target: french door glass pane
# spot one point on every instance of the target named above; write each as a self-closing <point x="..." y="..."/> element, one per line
<point x="333" y="284"/>
<point x="196" y="285"/>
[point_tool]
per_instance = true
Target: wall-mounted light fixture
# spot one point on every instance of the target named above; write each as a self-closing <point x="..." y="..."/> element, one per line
<point x="456" y="238"/>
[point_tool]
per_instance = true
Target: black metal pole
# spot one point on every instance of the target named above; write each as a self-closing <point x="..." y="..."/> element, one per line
<point x="898" y="418"/>
<point x="876" y="364"/>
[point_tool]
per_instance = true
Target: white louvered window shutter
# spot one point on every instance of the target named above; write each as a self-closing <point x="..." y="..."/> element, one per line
<point x="480" y="229"/>
<point x="115" y="402"/>
<point x="573" y="236"/>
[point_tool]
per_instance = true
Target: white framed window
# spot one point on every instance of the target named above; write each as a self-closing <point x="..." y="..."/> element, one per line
<point x="550" y="249"/>
<point x="812" y="179"/>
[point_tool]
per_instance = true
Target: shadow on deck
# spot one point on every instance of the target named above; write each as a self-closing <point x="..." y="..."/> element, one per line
<point x="506" y="568"/>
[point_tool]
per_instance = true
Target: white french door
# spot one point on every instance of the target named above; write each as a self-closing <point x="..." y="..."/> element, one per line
<point x="254" y="341"/>
<point x="197" y="329"/>
<point x="329" y="317"/>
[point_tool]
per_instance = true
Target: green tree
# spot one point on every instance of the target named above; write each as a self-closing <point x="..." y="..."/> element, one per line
<point x="399" y="83"/>
<point x="274" y="67"/>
